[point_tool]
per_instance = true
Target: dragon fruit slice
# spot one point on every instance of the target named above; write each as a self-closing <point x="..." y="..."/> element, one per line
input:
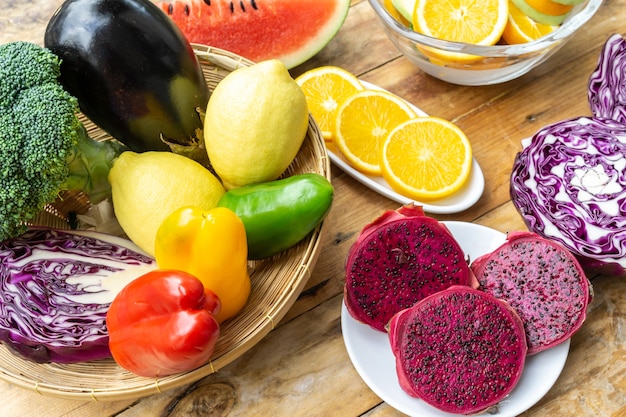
<point x="400" y="258"/>
<point x="542" y="281"/>
<point x="460" y="350"/>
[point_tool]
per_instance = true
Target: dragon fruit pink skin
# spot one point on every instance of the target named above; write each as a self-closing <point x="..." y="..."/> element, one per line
<point x="397" y="260"/>
<point x="459" y="350"/>
<point x="542" y="281"/>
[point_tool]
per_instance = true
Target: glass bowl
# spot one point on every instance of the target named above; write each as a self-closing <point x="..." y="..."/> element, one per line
<point x="473" y="65"/>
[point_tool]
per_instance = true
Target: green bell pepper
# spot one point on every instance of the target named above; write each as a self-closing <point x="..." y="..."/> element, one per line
<point x="278" y="214"/>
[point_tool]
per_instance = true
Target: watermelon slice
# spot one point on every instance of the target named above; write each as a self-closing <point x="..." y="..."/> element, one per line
<point x="290" y="30"/>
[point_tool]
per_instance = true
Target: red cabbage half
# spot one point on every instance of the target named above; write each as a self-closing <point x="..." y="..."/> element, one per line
<point x="607" y="84"/>
<point x="55" y="290"/>
<point x="569" y="184"/>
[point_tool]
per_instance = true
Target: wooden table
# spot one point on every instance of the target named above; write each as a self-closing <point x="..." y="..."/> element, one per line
<point x="301" y="368"/>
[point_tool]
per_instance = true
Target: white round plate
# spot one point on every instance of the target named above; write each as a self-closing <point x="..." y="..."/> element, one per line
<point x="371" y="355"/>
<point x="459" y="201"/>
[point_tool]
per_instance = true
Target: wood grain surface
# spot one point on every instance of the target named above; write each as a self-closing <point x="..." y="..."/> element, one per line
<point x="301" y="368"/>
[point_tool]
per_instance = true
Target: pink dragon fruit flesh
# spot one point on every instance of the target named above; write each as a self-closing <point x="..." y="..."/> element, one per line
<point x="542" y="281"/>
<point x="400" y="258"/>
<point x="460" y="350"/>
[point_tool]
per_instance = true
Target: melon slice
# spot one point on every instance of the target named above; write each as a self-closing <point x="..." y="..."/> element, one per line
<point x="405" y="8"/>
<point x="292" y="31"/>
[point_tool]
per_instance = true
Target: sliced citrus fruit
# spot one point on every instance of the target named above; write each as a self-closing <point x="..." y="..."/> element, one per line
<point x="324" y="88"/>
<point x="544" y="11"/>
<point x="468" y="21"/>
<point x="522" y="28"/>
<point x="363" y="121"/>
<point x="426" y="158"/>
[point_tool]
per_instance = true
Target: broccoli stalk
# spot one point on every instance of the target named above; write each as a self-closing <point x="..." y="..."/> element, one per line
<point x="44" y="148"/>
<point x="89" y="166"/>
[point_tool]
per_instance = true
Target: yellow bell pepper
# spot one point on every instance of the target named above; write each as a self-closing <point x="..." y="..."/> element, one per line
<point x="212" y="245"/>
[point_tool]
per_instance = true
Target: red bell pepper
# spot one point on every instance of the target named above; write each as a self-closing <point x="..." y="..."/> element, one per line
<point x="163" y="323"/>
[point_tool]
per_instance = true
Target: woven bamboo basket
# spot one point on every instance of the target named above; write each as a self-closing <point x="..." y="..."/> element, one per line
<point x="276" y="283"/>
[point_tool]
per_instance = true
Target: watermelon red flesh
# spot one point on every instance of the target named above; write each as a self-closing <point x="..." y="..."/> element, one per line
<point x="289" y="30"/>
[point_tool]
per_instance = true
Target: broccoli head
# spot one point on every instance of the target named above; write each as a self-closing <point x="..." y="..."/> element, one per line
<point x="44" y="147"/>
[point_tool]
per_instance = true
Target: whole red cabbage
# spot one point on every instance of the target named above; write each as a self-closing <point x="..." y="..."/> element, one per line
<point x="55" y="289"/>
<point x="569" y="184"/>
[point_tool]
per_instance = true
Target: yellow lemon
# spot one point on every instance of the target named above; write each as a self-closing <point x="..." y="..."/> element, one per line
<point x="147" y="187"/>
<point x="255" y="122"/>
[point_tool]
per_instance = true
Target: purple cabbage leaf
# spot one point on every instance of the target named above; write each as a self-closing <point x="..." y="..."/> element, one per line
<point x="55" y="290"/>
<point x="607" y="84"/>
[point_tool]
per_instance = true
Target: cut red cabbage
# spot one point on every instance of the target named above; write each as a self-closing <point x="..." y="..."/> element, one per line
<point x="607" y="84"/>
<point x="569" y="184"/>
<point x="55" y="290"/>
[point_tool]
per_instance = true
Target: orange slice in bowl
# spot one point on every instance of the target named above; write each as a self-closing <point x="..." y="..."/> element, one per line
<point x="363" y="121"/>
<point x="466" y="21"/>
<point x="426" y="158"/>
<point x="522" y="28"/>
<point x="325" y="88"/>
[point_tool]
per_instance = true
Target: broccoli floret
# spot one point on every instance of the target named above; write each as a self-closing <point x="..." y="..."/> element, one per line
<point x="44" y="147"/>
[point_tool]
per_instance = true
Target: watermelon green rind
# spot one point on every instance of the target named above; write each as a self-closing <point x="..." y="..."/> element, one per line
<point x="327" y="31"/>
<point x="292" y="31"/>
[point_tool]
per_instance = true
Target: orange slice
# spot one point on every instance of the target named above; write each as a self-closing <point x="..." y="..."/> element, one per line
<point x="467" y="21"/>
<point x="324" y="88"/>
<point x="426" y="158"/>
<point x="363" y="121"/>
<point x="522" y="28"/>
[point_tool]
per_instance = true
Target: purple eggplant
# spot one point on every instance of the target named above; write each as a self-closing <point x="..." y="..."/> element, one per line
<point x="133" y="72"/>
